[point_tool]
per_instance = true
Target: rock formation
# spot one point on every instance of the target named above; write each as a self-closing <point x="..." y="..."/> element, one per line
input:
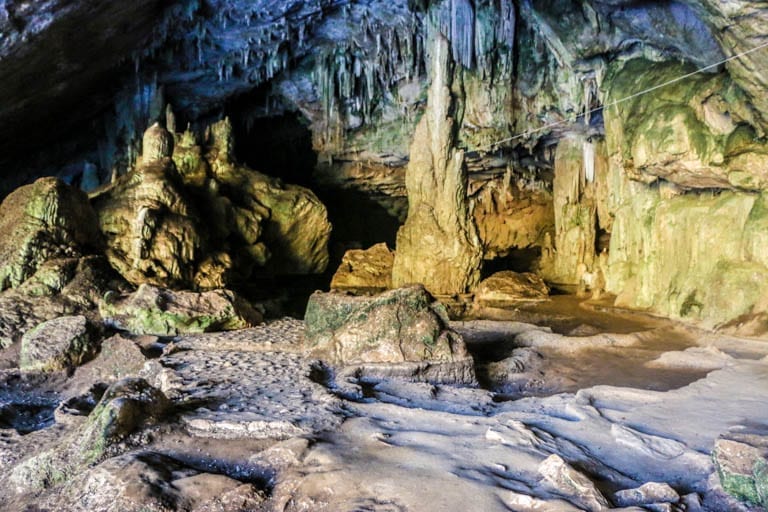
<point x="507" y="288"/>
<point x="151" y="310"/>
<point x="397" y="330"/>
<point x="365" y="271"/>
<point x="154" y="218"/>
<point x="575" y="204"/>
<point x="43" y="221"/>
<point x="438" y="244"/>
<point x="58" y="344"/>
<point x="154" y="234"/>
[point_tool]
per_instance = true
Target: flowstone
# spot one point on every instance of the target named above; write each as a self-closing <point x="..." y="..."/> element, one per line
<point x="438" y="245"/>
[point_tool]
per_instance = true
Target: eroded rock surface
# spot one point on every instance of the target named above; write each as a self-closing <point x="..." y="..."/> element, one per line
<point x="365" y="271"/>
<point x="153" y="310"/>
<point x="404" y="328"/>
<point x="43" y="221"/>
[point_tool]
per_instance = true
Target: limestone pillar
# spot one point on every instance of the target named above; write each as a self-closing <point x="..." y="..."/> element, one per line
<point x="438" y="245"/>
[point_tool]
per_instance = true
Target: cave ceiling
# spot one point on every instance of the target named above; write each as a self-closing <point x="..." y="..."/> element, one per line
<point x="75" y="70"/>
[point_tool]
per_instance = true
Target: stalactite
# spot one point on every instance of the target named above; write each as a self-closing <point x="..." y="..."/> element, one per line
<point x="588" y="154"/>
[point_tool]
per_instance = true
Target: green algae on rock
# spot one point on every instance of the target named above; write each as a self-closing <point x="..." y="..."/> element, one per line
<point x="42" y="221"/>
<point x="161" y="312"/>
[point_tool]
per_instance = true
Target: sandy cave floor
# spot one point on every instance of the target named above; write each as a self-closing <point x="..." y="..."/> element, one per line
<point x="617" y="400"/>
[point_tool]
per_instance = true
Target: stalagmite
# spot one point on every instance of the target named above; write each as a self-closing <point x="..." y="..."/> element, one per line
<point x="438" y="246"/>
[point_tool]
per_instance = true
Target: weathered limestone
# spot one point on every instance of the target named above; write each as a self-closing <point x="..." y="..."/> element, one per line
<point x="43" y="221"/>
<point x="404" y="325"/>
<point x="283" y="228"/>
<point x="199" y="220"/>
<point x="365" y="271"/>
<point x="647" y="494"/>
<point x="572" y="253"/>
<point x="508" y="288"/>
<point x="60" y="287"/>
<point x="150" y="481"/>
<point x="697" y="255"/>
<point x="59" y="344"/>
<point x="153" y="232"/>
<point x="152" y="310"/>
<point x="567" y="481"/>
<point x="692" y="133"/>
<point x="438" y="245"/>
<point x="509" y="217"/>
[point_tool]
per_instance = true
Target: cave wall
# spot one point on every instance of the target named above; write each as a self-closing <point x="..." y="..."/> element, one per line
<point x="679" y="174"/>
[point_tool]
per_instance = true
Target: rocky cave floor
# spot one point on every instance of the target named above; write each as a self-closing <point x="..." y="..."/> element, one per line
<point x="578" y="408"/>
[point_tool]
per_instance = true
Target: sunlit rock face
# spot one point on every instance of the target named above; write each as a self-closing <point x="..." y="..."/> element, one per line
<point x="200" y="220"/>
<point x="438" y="244"/>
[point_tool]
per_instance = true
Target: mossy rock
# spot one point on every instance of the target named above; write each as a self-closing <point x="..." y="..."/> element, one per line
<point x="125" y="406"/>
<point x="161" y="312"/>
<point x="743" y="469"/>
<point x="402" y="325"/>
<point x="43" y="221"/>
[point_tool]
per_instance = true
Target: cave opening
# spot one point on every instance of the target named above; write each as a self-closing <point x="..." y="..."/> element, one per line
<point x="516" y="260"/>
<point x="279" y="144"/>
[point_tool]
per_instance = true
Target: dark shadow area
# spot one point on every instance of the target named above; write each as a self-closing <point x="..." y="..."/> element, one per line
<point x="279" y="146"/>
<point x="518" y="260"/>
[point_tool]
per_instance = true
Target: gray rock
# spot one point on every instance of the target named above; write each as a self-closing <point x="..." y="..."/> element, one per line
<point x="58" y="344"/>
<point x="648" y="493"/>
<point x="572" y="484"/>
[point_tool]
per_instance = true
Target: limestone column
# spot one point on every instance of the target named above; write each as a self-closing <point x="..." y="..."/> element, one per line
<point x="438" y="245"/>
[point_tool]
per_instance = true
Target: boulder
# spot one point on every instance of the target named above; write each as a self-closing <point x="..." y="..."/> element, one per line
<point x="153" y="310"/>
<point x="126" y="405"/>
<point x="58" y="344"/>
<point x="365" y="271"/>
<point x="508" y="288"/>
<point x="42" y="221"/>
<point x="405" y="327"/>
<point x="742" y="466"/>
<point x="118" y="358"/>
<point x="60" y="287"/>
